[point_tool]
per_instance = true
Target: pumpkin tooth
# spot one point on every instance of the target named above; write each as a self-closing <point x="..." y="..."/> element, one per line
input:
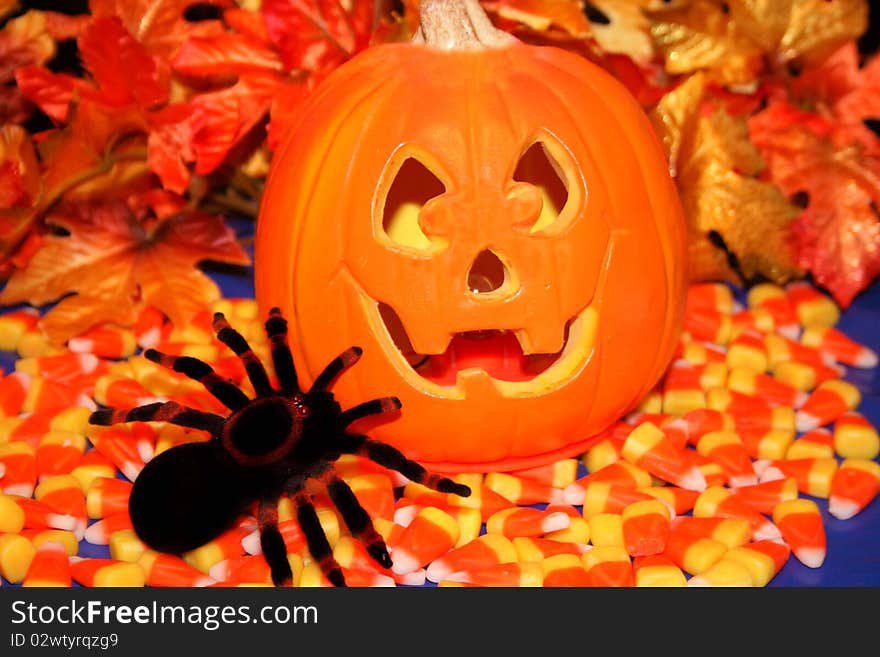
<point x="542" y="337"/>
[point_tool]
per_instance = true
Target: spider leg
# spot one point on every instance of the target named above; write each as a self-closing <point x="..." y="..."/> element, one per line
<point x="230" y="396"/>
<point x="356" y="518"/>
<point x="274" y="549"/>
<point x="252" y="365"/>
<point x="285" y="370"/>
<point x="372" y="407"/>
<point x="336" y="367"/>
<point x="391" y="457"/>
<point x="161" y="412"/>
<point x="319" y="546"/>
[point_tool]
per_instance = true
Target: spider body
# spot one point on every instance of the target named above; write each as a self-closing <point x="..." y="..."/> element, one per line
<point x="267" y="447"/>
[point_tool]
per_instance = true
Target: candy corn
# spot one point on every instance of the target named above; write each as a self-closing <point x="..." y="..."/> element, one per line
<point x="838" y="345"/>
<point x="107" y="573"/>
<point x="536" y="548"/>
<point x="763" y="559"/>
<point x="431" y="534"/>
<point x="724" y="572"/>
<point x="526" y="521"/>
<point x="818" y="443"/>
<point x="522" y="491"/>
<point x="801" y="525"/>
<point x="649" y="448"/>
<point x="764" y="497"/>
<point x="16" y="554"/>
<point x="813" y="308"/>
<point x="830" y="400"/>
<point x="564" y="570"/>
<point x="645" y="528"/>
<point x="50" y="567"/>
<point x="608" y="566"/>
<point x="812" y="475"/>
<point x="727" y="450"/>
<point x="163" y="569"/>
<point x="486" y="550"/>
<point x="107" y="496"/>
<point x="855" y="437"/>
<point x="557" y="474"/>
<point x="657" y="570"/>
<point x="606" y="529"/>
<point x="722" y="503"/>
<point x="527" y="574"/>
<point x="853" y="486"/>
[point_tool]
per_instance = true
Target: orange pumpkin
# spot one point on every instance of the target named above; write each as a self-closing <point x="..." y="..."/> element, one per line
<point x="494" y="223"/>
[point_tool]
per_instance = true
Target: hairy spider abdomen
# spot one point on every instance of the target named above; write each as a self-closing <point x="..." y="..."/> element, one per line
<point x="167" y="501"/>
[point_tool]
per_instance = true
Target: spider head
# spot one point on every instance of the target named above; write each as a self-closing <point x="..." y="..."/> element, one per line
<point x="265" y="430"/>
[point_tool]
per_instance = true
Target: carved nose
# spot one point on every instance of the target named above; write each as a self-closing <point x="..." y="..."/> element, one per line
<point x="487" y="273"/>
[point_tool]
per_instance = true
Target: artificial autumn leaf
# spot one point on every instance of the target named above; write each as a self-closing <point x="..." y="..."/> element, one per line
<point x="24" y="40"/>
<point x="839" y="232"/>
<point x="842" y="91"/>
<point x="159" y="25"/>
<point x="737" y="39"/>
<point x="123" y="70"/>
<point x="318" y="35"/>
<point x="51" y="92"/>
<point x="702" y="37"/>
<point x="223" y="116"/>
<point x="19" y="187"/>
<point x="115" y="264"/>
<point x="542" y="15"/>
<point x="7" y="7"/>
<point x="19" y="170"/>
<point x="88" y="156"/>
<point x="627" y="32"/>
<point x="716" y="167"/>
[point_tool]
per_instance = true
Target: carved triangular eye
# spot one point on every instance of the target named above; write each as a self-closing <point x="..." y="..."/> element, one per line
<point x="538" y="167"/>
<point x="413" y="186"/>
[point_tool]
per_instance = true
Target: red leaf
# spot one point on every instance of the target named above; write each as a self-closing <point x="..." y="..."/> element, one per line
<point x="839" y="232"/>
<point x="24" y="41"/>
<point x="169" y="146"/>
<point x="318" y="35"/>
<point x="228" y="114"/>
<point x="285" y="104"/>
<point x="51" y="92"/>
<point x="122" y="68"/>
<point x="114" y="264"/>
<point x="229" y="53"/>
<point x="159" y="25"/>
<point x="19" y="170"/>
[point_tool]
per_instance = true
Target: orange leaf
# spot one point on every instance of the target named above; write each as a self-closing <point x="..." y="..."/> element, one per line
<point x="160" y="25"/>
<point x="627" y="31"/>
<point x="730" y="211"/>
<point x="110" y="264"/>
<point x="19" y="186"/>
<point x="541" y="15"/>
<point x="318" y="35"/>
<point x="839" y="232"/>
<point x="736" y="40"/>
<point x="24" y="40"/>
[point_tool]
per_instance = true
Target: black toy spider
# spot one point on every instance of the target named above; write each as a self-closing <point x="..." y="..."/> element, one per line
<point x="267" y="447"/>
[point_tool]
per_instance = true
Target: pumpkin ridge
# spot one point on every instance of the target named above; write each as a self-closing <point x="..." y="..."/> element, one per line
<point x="664" y="351"/>
<point x="288" y="278"/>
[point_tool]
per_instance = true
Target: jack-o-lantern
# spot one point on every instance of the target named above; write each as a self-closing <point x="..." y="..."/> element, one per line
<point x="495" y="225"/>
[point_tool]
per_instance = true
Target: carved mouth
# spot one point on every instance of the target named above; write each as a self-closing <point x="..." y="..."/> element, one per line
<point x="496" y="353"/>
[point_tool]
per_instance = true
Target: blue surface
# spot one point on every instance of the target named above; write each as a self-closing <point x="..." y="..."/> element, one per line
<point x="853" y="545"/>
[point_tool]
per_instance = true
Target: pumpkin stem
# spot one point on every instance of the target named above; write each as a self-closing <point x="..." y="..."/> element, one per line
<point x="458" y="25"/>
